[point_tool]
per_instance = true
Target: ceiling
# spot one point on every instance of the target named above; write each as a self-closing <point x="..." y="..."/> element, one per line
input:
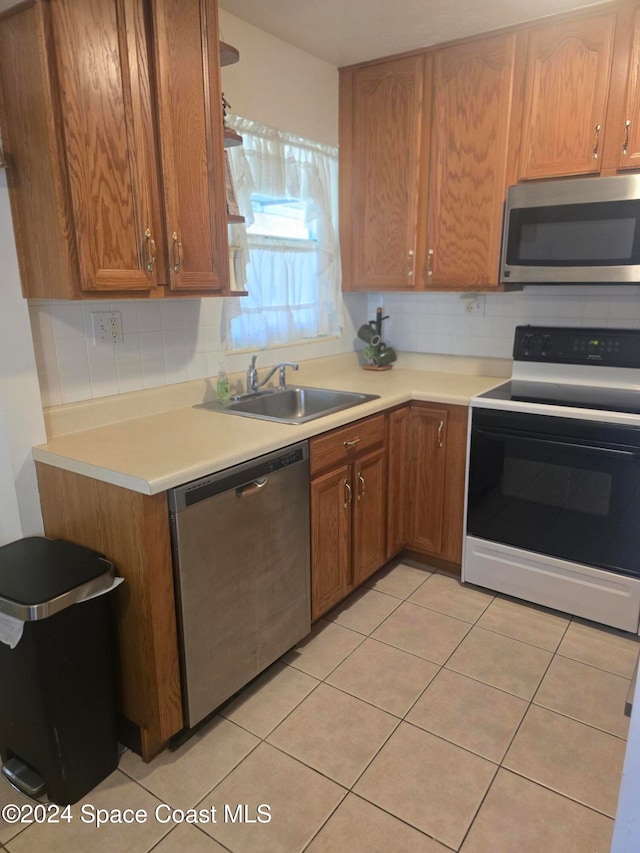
<point x="343" y="32"/>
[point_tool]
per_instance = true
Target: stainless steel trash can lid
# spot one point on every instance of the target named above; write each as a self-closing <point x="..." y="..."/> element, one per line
<point x="40" y="576"/>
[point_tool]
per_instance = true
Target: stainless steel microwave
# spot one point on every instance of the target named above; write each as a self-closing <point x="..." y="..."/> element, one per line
<point x="583" y="231"/>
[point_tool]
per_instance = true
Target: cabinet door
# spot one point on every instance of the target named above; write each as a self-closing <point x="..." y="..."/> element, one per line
<point x="427" y="441"/>
<point x="623" y="132"/>
<point x="567" y="82"/>
<point x="190" y="124"/>
<point x="456" y="458"/>
<point x="331" y="505"/>
<point x="398" y="481"/>
<point x="472" y="96"/>
<point x="369" y="515"/>
<point x="103" y="75"/>
<point x="380" y="137"/>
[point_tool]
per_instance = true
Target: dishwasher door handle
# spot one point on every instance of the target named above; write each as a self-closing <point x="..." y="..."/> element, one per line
<point x="252" y="488"/>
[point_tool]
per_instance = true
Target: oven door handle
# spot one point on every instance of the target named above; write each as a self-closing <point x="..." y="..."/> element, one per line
<point x="603" y="449"/>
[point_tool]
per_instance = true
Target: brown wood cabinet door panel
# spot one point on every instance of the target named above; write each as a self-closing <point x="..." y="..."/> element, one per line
<point x="133" y="531"/>
<point x="385" y="145"/>
<point x="34" y="148"/>
<point x="625" y="133"/>
<point x="567" y="82"/>
<point x="427" y="442"/>
<point x="456" y="457"/>
<point x="190" y="121"/>
<point x="110" y="180"/>
<point x="398" y="504"/>
<point x="342" y="446"/>
<point x="472" y="96"/>
<point x="331" y="507"/>
<point x="369" y="515"/>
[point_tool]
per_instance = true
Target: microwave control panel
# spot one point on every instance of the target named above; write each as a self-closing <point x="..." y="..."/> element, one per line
<point x="606" y="347"/>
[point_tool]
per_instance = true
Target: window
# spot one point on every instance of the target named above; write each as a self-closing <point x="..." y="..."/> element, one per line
<point x="287" y="192"/>
<point x="278" y="217"/>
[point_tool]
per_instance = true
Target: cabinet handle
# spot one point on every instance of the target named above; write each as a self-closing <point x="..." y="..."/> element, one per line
<point x="596" y="142"/>
<point x="440" y="431"/>
<point x="625" y="144"/>
<point x="177" y="253"/>
<point x="429" y="261"/>
<point x="362" y="485"/>
<point x="354" y="443"/>
<point x="410" y="263"/>
<point x="251" y="488"/>
<point x="151" y="245"/>
<point x="348" y="496"/>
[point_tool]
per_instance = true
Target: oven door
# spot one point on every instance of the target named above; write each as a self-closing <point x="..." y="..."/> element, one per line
<point x="556" y="486"/>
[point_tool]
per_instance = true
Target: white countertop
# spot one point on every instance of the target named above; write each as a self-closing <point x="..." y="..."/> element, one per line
<point x="150" y="453"/>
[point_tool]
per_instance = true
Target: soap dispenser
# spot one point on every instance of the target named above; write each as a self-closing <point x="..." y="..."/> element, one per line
<point x="222" y="385"/>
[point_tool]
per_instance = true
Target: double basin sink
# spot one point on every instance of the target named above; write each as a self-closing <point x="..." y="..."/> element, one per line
<point x="291" y="405"/>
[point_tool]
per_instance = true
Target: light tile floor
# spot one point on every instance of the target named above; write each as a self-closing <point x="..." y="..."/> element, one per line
<point x="420" y="715"/>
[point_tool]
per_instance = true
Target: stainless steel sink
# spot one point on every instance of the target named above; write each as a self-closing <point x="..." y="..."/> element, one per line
<point x="292" y="405"/>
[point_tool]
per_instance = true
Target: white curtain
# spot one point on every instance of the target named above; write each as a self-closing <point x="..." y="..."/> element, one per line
<point x="293" y="285"/>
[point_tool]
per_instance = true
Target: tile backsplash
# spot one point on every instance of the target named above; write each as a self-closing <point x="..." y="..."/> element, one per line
<point x="165" y="341"/>
<point x="438" y="322"/>
<point x="173" y="341"/>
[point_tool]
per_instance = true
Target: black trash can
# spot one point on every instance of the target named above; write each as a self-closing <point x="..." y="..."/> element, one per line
<point x="57" y="685"/>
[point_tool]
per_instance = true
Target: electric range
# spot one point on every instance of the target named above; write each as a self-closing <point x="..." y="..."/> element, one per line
<point x="552" y="504"/>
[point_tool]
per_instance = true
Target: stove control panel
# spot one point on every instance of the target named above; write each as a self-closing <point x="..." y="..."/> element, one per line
<point x="561" y="345"/>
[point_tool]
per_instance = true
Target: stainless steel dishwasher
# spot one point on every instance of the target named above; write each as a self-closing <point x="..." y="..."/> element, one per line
<point x="241" y="561"/>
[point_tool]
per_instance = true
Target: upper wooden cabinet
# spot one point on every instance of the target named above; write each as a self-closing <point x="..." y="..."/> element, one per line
<point x="566" y="90"/>
<point x="380" y="147"/>
<point x="622" y="142"/>
<point x="429" y="143"/>
<point x="424" y="158"/>
<point x="112" y="126"/>
<point x="469" y="127"/>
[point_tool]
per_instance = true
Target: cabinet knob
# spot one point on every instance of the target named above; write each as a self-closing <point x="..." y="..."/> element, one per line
<point x="362" y="485"/>
<point x="348" y="495"/>
<point x="178" y="260"/>
<point x="440" y="432"/>
<point x="596" y="141"/>
<point x="625" y="144"/>
<point x="429" y="262"/>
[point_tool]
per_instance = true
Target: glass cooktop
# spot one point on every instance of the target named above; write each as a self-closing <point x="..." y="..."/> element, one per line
<point x="575" y="396"/>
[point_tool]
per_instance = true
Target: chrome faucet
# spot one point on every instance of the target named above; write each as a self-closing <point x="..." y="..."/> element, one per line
<point x="252" y="375"/>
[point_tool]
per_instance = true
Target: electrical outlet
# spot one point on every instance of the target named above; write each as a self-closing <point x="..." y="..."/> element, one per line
<point x="474" y="304"/>
<point x="107" y="328"/>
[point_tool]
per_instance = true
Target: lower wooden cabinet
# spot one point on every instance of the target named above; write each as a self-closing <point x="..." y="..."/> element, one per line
<point x="382" y="485"/>
<point x="348" y="510"/>
<point x="398" y="480"/>
<point x="330" y="540"/>
<point x="369" y="501"/>
<point x="437" y="438"/>
<point x="132" y="530"/>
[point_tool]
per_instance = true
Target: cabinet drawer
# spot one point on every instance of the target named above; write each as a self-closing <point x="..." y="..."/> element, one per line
<point x="341" y="446"/>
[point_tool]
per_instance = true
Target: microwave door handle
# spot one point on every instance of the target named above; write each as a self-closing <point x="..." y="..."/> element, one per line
<point x="600" y="449"/>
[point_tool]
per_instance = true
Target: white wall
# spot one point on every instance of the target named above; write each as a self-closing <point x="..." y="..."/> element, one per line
<point x="177" y="340"/>
<point x="278" y="84"/>
<point x="437" y="322"/>
<point x="21" y="421"/>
